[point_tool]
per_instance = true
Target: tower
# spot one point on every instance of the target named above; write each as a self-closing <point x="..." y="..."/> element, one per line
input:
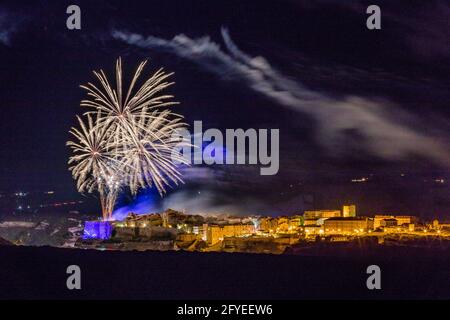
<point x="349" y="210"/>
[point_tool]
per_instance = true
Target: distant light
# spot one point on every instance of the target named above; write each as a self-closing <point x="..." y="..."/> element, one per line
<point x="363" y="179"/>
<point x="20" y="194"/>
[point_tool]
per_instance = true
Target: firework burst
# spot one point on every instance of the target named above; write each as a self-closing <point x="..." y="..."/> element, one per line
<point x="126" y="141"/>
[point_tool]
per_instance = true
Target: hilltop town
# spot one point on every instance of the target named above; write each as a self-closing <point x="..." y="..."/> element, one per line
<point x="173" y="230"/>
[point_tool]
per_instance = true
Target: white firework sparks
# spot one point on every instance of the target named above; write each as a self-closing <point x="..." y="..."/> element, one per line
<point x="115" y="108"/>
<point x="95" y="164"/>
<point x="150" y="159"/>
<point x="131" y="142"/>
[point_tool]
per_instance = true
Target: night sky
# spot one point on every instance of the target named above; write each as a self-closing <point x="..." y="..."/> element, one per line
<point x="349" y="102"/>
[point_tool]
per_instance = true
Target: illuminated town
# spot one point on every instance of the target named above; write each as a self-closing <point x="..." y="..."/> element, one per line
<point x="172" y="230"/>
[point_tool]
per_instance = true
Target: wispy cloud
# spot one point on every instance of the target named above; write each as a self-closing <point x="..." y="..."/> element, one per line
<point x="379" y="131"/>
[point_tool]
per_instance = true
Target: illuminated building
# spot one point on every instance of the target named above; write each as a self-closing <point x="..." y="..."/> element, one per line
<point x="310" y="222"/>
<point x="435" y="224"/>
<point x="394" y="229"/>
<point x="216" y="233"/>
<point x="348" y="225"/>
<point x="318" y="214"/>
<point x="401" y="220"/>
<point x="378" y="219"/>
<point x="236" y="230"/>
<point x="389" y="222"/>
<point x="295" y="221"/>
<point x="349" y="211"/>
<point x="283" y="224"/>
<point x="267" y="224"/>
<point x="313" y="230"/>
